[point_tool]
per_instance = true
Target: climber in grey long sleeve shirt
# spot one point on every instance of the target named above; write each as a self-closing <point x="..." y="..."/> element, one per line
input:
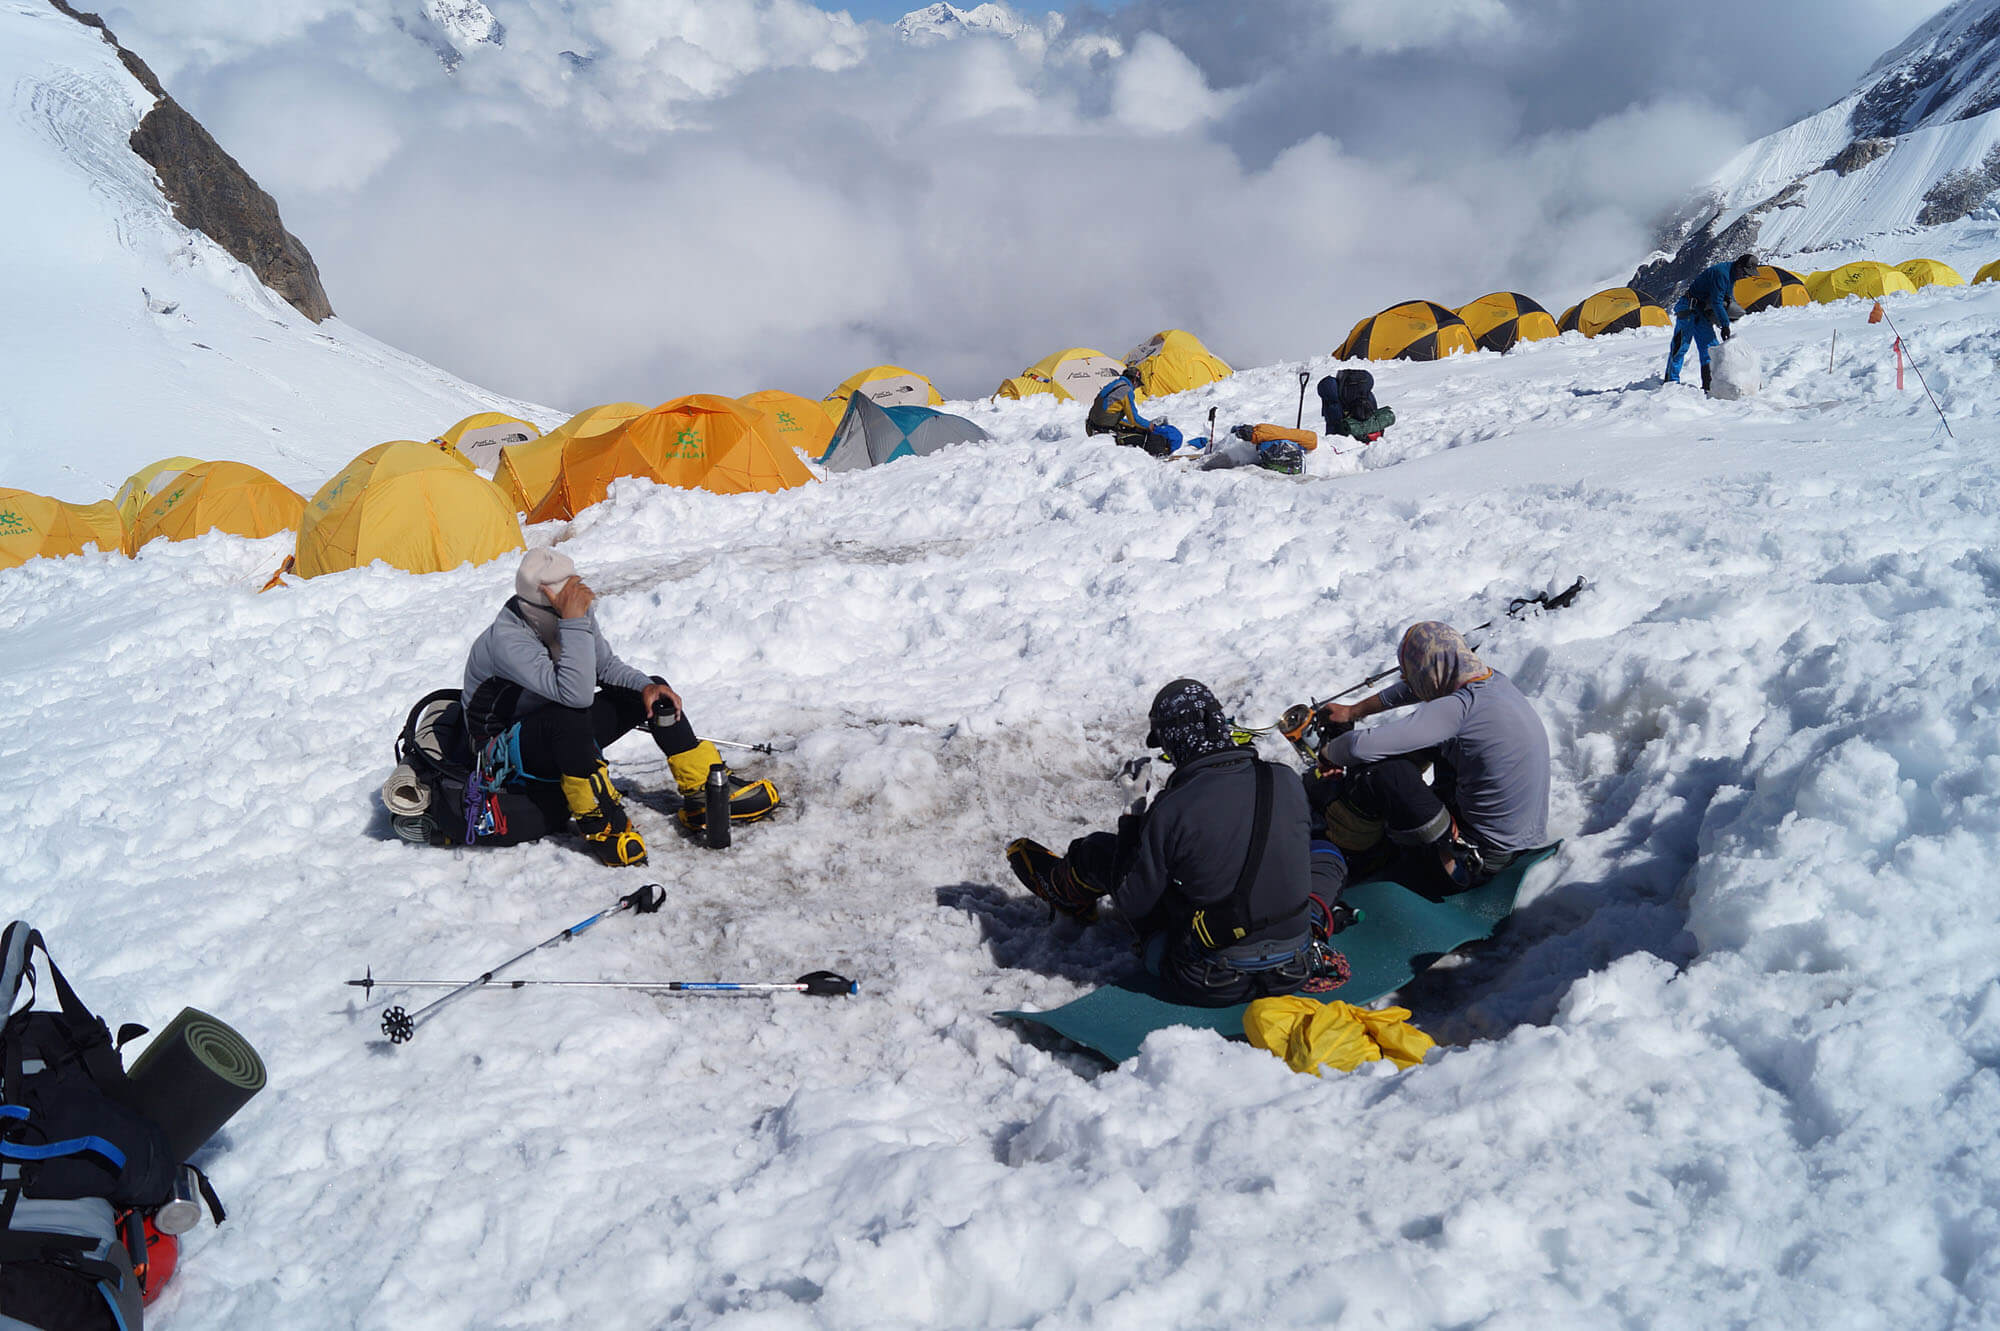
<point x="1490" y="752"/>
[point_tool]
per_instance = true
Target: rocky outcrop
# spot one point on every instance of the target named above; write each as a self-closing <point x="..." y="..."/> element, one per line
<point x="211" y="193"/>
<point x="1858" y="154"/>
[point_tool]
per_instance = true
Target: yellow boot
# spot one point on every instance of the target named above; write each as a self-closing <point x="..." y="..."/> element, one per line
<point x="593" y="803"/>
<point x="748" y="800"/>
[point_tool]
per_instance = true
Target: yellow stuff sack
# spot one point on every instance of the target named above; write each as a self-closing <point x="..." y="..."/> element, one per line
<point x="1309" y="1034"/>
<point x="1265" y="434"/>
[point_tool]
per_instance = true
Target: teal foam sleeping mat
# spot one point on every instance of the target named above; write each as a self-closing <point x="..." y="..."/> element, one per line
<point x="1399" y="935"/>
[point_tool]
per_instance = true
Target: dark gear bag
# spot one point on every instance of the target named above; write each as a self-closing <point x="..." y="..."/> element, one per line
<point x="73" y="1147"/>
<point x="426" y="796"/>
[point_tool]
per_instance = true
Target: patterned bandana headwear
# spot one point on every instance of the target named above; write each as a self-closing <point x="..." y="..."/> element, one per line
<point x="1187" y="722"/>
<point x="1435" y="660"/>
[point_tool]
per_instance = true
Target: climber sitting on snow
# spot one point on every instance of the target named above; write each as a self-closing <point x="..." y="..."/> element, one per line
<point x="1116" y="412"/>
<point x="1703" y="314"/>
<point x="543" y="681"/>
<point x="1215" y="877"/>
<point x="1488" y="800"/>
<point x="1347" y="401"/>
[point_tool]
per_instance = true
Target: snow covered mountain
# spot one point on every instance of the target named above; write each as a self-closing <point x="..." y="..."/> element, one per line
<point x="156" y="304"/>
<point x="1913" y="150"/>
<point x="943" y="22"/>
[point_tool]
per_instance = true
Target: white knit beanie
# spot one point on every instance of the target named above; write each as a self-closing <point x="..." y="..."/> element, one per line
<point x="542" y="567"/>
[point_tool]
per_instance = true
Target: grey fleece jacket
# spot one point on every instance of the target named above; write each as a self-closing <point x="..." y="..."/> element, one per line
<point x="1196" y="839"/>
<point x="510" y="649"/>
<point x="1495" y="744"/>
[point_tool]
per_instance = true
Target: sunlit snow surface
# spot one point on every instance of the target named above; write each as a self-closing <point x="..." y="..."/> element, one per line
<point x="1732" y="1063"/>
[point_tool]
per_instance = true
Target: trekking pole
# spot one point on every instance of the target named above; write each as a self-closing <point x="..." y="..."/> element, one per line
<point x="764" y="746"/>
<point x="1211" y="428"/>
<point x="1562" y="600"/>
<point x="1920" y="374"/>
<point x="1305" y="377"/>
<point x="819" y="984"/>
<point x="400" y="1026"/>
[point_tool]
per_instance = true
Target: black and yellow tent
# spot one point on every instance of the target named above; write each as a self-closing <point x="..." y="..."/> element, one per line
<point x="1414" y="330"/>
<point x="1769" y="288"/>
<point x="1613" y="311"/>
<point x="1990" y="273"/>
<point x="1500" y="320"/>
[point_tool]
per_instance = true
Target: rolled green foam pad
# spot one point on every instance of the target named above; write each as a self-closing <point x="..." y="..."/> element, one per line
<point x="193" y="1078"/>
<point x="1400" y="935"/>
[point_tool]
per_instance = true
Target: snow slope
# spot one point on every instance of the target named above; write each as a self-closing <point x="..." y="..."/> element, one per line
<point x="1733" y="1063"/>
<point x="148" y="339"/>
<point x="1868" y="176"/>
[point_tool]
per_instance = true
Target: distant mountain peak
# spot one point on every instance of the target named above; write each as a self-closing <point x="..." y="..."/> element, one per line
<point x="944" y="22"/>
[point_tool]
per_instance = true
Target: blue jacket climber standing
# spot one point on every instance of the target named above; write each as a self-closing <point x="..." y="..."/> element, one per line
<point x="1702" y="314"/>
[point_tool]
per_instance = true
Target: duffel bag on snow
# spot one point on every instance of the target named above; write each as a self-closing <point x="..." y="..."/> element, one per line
<point x="74" y="1151"/>
<point x="1270" y="434"/>
<point x="426" y="794"/>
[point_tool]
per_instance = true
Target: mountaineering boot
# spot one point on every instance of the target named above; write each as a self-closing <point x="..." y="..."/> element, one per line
<point x="749" y="799"/>
<point x="1049" y="876"/>
<point x="1708" y="381"/>
<point x="599" y="816"/>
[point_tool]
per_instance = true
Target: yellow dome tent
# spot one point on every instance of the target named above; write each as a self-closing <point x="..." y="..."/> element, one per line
<point x="1613" y="310"/>
<point x="410" y="505"/>
<point x="481" y="436"/>
<point x="1868" y="278"/>
<point x="1023" y="386"/>
<point x="798" y="421"/>
<point x="1076" y="372"/>
<point x="1770" y="288"/>
<point x="146" y="482"/>
<point x="1414" y="330"/>
<point x="232" y="497"/>
<point x="35" y="526"/>
<point x="886" y="386"/>
<point x="1173" y="362"/>
<point x="698" y="442"/>
<point x="1930" y="273"/>
<point x="526" y="471"/>
<point x="1990" y="273"/>
<point x="1500" y="321"/>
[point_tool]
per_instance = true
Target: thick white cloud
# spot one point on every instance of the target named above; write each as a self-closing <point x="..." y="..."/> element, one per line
<point x="639" y="198"/>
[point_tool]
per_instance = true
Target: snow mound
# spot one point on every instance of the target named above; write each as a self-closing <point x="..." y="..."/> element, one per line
<point x="1733" y="1062"/>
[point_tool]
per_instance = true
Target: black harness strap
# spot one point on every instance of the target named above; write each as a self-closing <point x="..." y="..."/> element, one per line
<point x="1233" y="916"/>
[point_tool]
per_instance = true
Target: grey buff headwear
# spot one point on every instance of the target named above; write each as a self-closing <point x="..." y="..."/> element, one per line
<point x="1187" y="722"/>
<point x="541" y="567"/>
<point x="1435" y="660"/>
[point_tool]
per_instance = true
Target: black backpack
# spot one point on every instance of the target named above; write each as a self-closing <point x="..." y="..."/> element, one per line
<point x="74" y="1151"/>
<point x="435" y="749"/>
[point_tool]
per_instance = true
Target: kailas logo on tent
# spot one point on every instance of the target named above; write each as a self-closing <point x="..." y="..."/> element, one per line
<point x="12" y="524"/>
<point x="687" y="444"/>
<point x="787" y="421"/>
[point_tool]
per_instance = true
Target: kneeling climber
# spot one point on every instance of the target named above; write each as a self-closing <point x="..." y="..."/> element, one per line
<point x="1703" y="315"/>
<point x="1116" y="412"/>
<point x="1488" y="799"/>
<point x="1216" y="877"/>
<point x="543" y="684"/>
<point x="1347" y="401"/>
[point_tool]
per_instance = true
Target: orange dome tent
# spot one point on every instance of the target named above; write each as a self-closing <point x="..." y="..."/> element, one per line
<point x="798" y="421"/>
<point x="527" y="470"/>
<point x="481" y="436"/>
<point x="698" y="442"/>
<point x="142" y="485"/>
<point x="35" y="526"/>
<point x="233" y="497"/>
<point x="411" y="505"/>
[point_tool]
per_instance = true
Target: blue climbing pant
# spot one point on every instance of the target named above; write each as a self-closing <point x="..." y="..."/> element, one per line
<point x="1689" y="327"/>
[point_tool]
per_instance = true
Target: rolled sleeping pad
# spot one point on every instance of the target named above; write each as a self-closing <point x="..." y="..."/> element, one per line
<point x="1267" y="433"/>
<point x="193" y="1078"/>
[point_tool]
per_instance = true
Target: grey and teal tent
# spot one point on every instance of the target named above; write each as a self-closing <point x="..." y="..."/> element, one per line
<point x="871" y="434"/>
